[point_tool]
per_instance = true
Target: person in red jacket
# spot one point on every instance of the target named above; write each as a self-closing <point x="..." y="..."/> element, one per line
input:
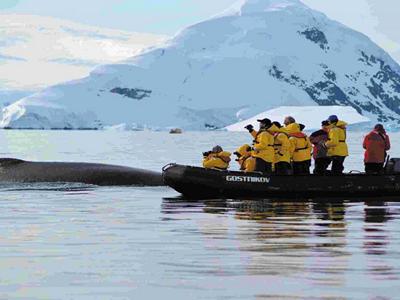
<point x="376" y="143"/>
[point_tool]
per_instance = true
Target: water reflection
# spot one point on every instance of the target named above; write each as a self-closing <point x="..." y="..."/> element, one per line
<point x="376" y="211"/>
<point x="316" y="241"/>
<point x="375" y="235"/>
<point x="330" y="221"/>
<point x="376" y="240"/>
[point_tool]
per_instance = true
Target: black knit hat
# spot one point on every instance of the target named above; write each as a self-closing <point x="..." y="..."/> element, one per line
<point x="277" y="124"/>
<point x="267" y="122"/>
<point x="217" y="149"/>
<point x="333" y="119"/>
<point x="379" y="128"/>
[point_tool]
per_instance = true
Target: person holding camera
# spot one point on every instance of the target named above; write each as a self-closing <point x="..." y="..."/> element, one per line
<point x="282" y="151"/>
<point x="263" y="147"/>
<point x="246" y="162"/>
<point x="217" y="158"/>
<point x="320" y="152"/>
<point x="376" y="145"/>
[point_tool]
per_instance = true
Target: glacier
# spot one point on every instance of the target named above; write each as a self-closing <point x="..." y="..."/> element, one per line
<point x="256" y="56"/>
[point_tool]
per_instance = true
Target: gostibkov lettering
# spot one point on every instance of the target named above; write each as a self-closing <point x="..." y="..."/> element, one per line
<point x="247" y="179"/>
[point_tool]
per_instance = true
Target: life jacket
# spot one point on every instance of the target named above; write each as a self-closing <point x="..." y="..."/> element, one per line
<point x="300" y="145"/>
<point x="264" y="144"/>
<point x="217" y="160"/>
<point x="282" y="147"/>
<point x="336" y="143"/>
<point x="246" y="162"/>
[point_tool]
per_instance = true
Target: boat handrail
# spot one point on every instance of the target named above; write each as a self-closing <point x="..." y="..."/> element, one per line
<point x="258" y="172"/>
<point x="385" y="167"/>
<point x="216" y="169"/>
<point x="222" y="170"/>
<point x="167" y="166"/>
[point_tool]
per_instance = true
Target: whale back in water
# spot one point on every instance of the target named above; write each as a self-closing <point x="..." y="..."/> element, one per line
<point x="16" y="170"/>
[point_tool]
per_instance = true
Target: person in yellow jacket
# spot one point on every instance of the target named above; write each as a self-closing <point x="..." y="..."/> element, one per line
<point x="282" y="151"/>
<point x="263" y="146"/>
<point x="289" y="120"/>
<point x="246" y="162"/>
<point x="300" y="149"/>
<point x="336" y="144"/>
<point x="217" y="158"/>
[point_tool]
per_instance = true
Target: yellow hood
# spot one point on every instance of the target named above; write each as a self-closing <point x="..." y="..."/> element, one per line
<point x="341" y="124"/>
<point x="242" y="150"/>
<point x="224" y="154"/>
<point x="292" y="128"/>
<point x="274" y="129"/>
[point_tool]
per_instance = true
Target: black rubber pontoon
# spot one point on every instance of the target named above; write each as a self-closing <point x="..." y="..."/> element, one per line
<point x="195" y="182"/>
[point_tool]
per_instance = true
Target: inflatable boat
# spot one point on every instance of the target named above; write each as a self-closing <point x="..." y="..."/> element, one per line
<point x="195" y="182"/>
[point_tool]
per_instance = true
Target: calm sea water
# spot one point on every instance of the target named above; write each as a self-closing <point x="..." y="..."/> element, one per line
<point x="84" y="242"/>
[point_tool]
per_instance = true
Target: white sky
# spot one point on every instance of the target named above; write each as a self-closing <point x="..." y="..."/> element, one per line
<point x="376" y="18"/>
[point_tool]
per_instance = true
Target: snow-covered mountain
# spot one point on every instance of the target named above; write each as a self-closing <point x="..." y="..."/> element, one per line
<point x="36" y="51"/>
<point x="258" y="55"/>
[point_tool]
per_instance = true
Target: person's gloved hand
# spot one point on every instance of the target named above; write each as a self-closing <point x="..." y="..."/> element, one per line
<point x="249" y="127"/>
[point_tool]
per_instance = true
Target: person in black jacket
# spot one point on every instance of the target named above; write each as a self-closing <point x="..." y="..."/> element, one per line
<point x="318" y="139"/>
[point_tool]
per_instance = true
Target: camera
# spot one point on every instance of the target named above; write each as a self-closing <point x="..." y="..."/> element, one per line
<point x="207" y="153"/>
<point x="249" y="127"/>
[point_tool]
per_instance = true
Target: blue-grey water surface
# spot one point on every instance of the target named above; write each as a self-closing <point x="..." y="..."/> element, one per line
<point x="72" y="241"/>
